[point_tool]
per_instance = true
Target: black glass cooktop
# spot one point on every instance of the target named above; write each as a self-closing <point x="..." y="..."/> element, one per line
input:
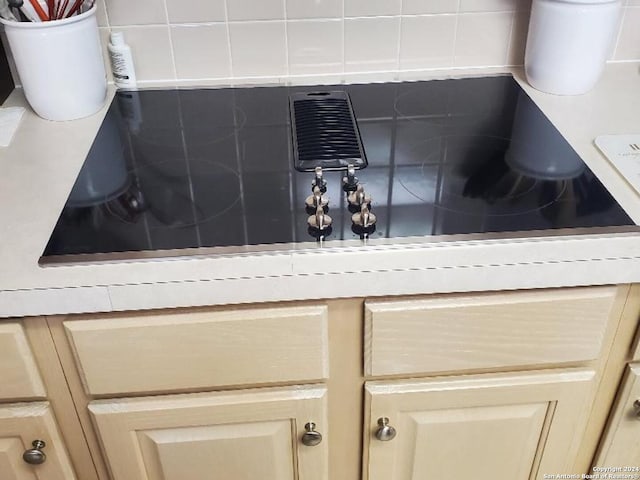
<point x="182" y="169"/>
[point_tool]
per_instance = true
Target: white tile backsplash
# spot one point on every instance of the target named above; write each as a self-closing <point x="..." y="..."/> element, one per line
<point x="103" y="20"/>
<point x="628" y="47"/>
<point x="214" y="62"/>
<point x="255" y="10"/>
<point x="258" y="49"/>
<point x="427" y="41"/>
<point x="315" y="46"/>
<point x="196" y="11"/>
<point x="369" y="8"/>
<point x="417" y="7"/>
<point x="488" y="5"/>
<point x="482" y="39"/>
<point x="136" y="12"/>
<point x="315" y="8"/>
<point x="518" y="41"/>
<point x="152" y="52"/>
<point x="326" y="40"/>
<point x="371" y="44"/>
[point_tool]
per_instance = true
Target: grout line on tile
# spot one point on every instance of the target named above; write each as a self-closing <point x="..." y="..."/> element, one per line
<point x="455" y="35"/>
<point x="510" y="42"/>
<point x="172" y="50"/>
<point x="196" y="24"/>
<point x="344" y="39"/>
<point x="286" y="38"/>
<point x="315" y="20"/>
<point x="106" y="14"/>
<point x="623" y="16"/>
<point x="228" y="30"/>
<point x="399" y="42"/>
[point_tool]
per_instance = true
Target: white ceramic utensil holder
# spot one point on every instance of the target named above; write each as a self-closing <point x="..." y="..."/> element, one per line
<point x="60" y="65"/>
<point x="569" y="42"/>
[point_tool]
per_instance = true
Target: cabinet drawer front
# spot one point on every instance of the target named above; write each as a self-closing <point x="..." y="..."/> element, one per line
<point x="20" y="425"/>
<point x="196" y="350"/>
<point x="486" y="331"/>
<point x="18" y="370"/>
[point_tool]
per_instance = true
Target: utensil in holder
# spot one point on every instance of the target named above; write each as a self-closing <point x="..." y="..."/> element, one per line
<point x="60" y="65"/>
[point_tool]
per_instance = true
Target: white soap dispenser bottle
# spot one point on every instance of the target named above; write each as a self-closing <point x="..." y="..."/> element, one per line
<point x="124" y="74"/>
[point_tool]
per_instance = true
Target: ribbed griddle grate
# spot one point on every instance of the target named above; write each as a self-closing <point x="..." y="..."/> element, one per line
<point x="325" y="132"/>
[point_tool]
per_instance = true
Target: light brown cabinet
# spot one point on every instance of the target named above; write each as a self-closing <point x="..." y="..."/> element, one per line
<point x="18" y="370"/>
<point x="251" y="402"/>
<point x="22" y="424"/>
<point x="249" y="434"/>
<point x="620" y="443"/>
<point x="27" y="421"/>
<point x="173" y="351"/>
<point x="517" y="384"/>
<point x="486" y="427"/>
<point x="620" y="446"/>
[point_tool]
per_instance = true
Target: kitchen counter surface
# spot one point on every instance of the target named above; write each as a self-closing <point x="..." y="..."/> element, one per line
<point x="40" y="167"/>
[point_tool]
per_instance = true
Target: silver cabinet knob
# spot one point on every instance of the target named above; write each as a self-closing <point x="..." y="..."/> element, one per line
<point x="311" y="437"/>
<point x="320" y="221"/>
<point x="385" y="432"/>
<point x="317" y="199"/>
<point x="35" y="456"/>
<point x="636" y="407"/>
<point x="350" y="181"/>
<point x="359" y="197"/>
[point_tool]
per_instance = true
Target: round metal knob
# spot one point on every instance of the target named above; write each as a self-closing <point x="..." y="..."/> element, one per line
<point x="311" y="437"/>
<point x="364" y="218"/>
<point x="317" y="199"/>
<point x="385" y="432"/>
<point x="320" y="221"/>
<point x="35" y="456"/>
<point x="359" y="197"/>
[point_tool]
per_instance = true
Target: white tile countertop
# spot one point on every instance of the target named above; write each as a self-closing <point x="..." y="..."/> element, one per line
<point x="41" y="165"/>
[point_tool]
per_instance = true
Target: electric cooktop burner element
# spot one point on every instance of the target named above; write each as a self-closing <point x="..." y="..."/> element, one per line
<point x="215" y="170"/>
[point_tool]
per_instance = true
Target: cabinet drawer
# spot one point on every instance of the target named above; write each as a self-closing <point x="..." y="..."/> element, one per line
<point x="155" y="352"/>
<point x="18" y="370"/>
<point x="486" y="331"/>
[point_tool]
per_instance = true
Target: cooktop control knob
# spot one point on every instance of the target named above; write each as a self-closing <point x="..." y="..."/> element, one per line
<point x="364" y="218"/>
<point x="317" y="199"/>
<point x="319" y="181"/>
<point x="359" y="197"/>
<point x="350" y="181"/>
<point x="320" y="221"/>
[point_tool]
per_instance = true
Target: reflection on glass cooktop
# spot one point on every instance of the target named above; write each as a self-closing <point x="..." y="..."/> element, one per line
<point x="176" y="169"/>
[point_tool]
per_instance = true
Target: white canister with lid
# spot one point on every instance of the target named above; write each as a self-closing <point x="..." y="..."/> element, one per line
<point x="569" y="42"/>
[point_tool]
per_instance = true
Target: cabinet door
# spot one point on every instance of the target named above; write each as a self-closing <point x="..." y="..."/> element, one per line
<point x="620" y="446"/>
<point x="485" y="427"/>
<point x="244" y="435"/>
<point x="20" y="425"/>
